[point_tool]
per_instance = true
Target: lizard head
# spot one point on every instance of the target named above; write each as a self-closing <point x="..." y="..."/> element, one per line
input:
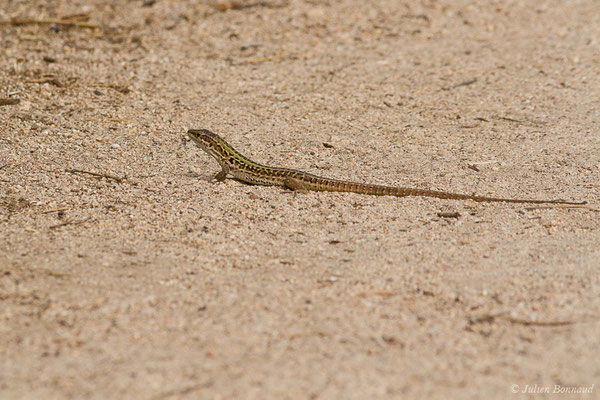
<point x="217" y="147"/>
<point x="208" y="141"/>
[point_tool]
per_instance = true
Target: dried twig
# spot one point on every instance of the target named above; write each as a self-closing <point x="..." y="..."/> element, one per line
<point x="224" y="5"/>
<point x="55" y="210"/>
<point x="582" y="205"/>
<point x="51" y="21"/>
<point x="182" y="391"/>
<point x="522" y="122"/>
<point x="100" y="175"/>
<point x="465" y="83"/>
<point x="119" y="88"/>
<point x="448" y="214"/>
<point x="537" y="323"/>
<point x="490" y="317"/>
<point x="9" y="102"/>
<point x="511" y="120"/>
<point x="81" y="17"/>
<point x="275" y="57"/>
<point x="70" y="222"/>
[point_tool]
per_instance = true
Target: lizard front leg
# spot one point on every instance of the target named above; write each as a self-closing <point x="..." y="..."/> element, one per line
<point x="220" y="177"/>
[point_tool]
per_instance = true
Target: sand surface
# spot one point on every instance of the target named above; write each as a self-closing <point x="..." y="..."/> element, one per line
<point x="152" y="282"/>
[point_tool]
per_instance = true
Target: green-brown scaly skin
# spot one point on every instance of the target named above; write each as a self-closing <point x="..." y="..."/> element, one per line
<point x="246" y="170"/>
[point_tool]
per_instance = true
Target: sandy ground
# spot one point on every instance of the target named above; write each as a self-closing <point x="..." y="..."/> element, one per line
<point x="154" y="283"/>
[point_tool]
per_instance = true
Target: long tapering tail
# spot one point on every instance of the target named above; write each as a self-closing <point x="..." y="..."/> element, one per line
<point x="380" y="190"/>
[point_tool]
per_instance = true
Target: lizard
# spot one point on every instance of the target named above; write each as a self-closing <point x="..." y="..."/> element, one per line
<point x="245" y="170"/>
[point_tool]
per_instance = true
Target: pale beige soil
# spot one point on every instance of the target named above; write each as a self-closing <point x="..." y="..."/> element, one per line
<point x="164" y="285"/>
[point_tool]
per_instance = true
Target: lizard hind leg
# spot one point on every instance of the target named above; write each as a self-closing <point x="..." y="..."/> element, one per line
<point x="295" y="184"/>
